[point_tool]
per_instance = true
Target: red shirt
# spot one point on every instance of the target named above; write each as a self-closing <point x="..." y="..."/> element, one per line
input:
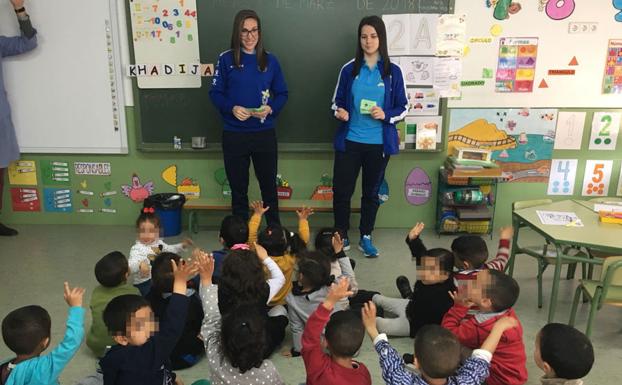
<point x="321" y="369"/>
<point x="508" y="366"/>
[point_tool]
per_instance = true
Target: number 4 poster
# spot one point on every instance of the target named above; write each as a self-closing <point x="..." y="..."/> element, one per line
<point x="605" y="127"/>
<point x="597" y="178"/>
<point x="562" y="177"/>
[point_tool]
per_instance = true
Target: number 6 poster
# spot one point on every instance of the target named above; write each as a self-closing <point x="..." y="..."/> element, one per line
<point x="605" y="127"/>
<point x="597" y="178"/>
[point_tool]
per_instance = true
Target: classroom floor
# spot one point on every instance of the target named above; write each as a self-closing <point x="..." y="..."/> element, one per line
<point x="35" y="264"/>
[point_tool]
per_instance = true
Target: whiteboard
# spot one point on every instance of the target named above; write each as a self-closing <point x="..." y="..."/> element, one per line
<point x="556" y="48"/>
<point x="64" y="93"/>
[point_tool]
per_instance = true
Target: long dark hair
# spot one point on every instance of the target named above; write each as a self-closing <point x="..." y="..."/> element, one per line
<point x="238" y="22"/>
<point x="243" y="277"/>
<point x="377" y="23"/>
<point x="243" y="337"/>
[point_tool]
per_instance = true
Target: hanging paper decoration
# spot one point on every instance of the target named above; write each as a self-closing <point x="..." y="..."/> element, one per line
<point x="25" y="199"/>
<point x="57" y="200"/>
<point x="283" y="190"/>
<point x="323" y="192"/>
<point x="23" y="172"/>
<point x="136" y="191"/>
<point x="188" y="186"/>
<point x="418" y="187"/>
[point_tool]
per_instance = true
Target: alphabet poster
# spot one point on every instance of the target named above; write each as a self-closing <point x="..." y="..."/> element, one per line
<point x="165" y="31"/>
<point x="569" y="131"/>
<point x="413" y="34"/>
<point x="605" y="127"/>
<point x="597" y="178"/>
<point x="562" y="178"/>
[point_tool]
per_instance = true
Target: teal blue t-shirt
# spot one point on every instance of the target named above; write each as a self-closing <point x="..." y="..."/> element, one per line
<point x="367" y="86"/>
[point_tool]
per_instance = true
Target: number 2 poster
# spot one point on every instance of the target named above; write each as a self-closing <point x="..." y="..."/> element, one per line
<point x="605" y="127"/>
<point x="597" y="178"/>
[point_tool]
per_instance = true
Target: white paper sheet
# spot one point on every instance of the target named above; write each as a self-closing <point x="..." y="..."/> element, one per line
<point x="418" y="70"/>
<point x="597" y="178"/>
<point x="559" y="218"/>
<point x="605" y="128"/>
<point x="562" y="176"/>
<point x="398" y="33"/>
<point x="569" y="132"/>
<point x="451" y="38"/>
<point x="447" y="74"/>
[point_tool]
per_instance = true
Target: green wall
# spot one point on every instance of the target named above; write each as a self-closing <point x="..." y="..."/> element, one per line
<point x="303" y="170"/>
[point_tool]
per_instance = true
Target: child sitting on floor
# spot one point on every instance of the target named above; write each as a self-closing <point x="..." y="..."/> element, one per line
<point x="437" y="354"/>
<point x="147" y="247"/>
<point x="343" y="336"/>
<point x="494" y="293"/>
<point x="111" y="272"/>
<point x="26" y="331"/>
<point x="234" y="343"/>
<point x="233" y="231"/>
<point x="564" y="354"/>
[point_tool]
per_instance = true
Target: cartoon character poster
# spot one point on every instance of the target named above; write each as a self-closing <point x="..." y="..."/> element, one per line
<point x="521" y="139"/>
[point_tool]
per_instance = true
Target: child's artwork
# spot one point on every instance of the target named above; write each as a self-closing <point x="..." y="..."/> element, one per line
<point x="559" y="218"/>
<point x="25" y="199"/>
<point x="521" y="139"/>
<point x="423" y="101"/>
<point x="516" y="68"/>
<point x="451" y="38"/>
<point x="563" y="175"/>
<point x="55" y="173"/>
<point x="57" y="200"/>
<point x="418" y="187"/>
<point x="569" y="132"/>
<point x="415" y="123"/>
<point x="605" y="128"/>
<point x="413" y="34"/>
<point x="92" y="168"/>
<point x="187" y="186"/>
<point x="447" y="75"/>
<point x="612" y="80"/>
<point x="136" y="191"/>
<point x="597" y="178"/>
<point x="426" y="136"/>
<point x="418" y="70"/>
<point x="23" y="172"/>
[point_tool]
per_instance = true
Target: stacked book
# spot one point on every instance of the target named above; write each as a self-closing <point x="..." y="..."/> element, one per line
<point x="472" y="168"/>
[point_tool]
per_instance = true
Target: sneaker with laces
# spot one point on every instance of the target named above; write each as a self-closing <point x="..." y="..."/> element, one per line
<point x="367" y="247"/>
<point x="346" y="244"/>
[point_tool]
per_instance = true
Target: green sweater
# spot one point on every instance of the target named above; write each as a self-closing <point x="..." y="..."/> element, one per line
<point x="98" y="337"/>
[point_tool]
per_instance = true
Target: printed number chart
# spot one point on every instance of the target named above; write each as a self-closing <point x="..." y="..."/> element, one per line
<point x="597" y="178"/>
<point x="166" y="32"/>
<point x="562" y="176"/>
<point x="605" y="127"/>
<point x="516" y="68"/>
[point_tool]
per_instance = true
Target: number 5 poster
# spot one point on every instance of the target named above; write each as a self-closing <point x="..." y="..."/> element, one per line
<point x="605" y="127"/>
<point x="597" y="178"/>
<point x="562" y="177"/>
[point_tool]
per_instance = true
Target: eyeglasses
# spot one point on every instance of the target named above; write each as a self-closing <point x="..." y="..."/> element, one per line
<point x="246" y="32"/>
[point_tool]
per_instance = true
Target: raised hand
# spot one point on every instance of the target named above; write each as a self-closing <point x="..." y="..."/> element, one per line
<point x="73" y="296"/>
<point x="416" y="231"/>
<point x="337" y="242"/>
<point x="258" y="208"/>
<point x="205" y="264"/>
<point x="337" y="292"/>
<point x="304" y="213"/>
<point x="368" y="314"/>
<point x="506" y="232"/>
<point x="183" y="271"/>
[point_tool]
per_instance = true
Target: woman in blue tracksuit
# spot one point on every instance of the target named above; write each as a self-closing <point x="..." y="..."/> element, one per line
<point x="249" y="91"/>
<point x="369" y="99"/>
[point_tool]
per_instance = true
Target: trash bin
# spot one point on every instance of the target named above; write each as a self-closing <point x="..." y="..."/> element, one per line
<point x="168" y="207"/>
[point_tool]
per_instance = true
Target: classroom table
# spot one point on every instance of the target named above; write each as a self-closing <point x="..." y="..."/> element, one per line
<point x="605" y="237"/>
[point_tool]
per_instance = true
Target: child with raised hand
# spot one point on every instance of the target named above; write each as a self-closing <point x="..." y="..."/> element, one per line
<point x="281" y="244"/>
<point x="234" y="343"/>
<point x="330" y="242"/>
<point x="343" y="336"/>
<point x="494" y="293"/>
<point x="233" y="235"/>
<point x="309" y="290"/>
<point x="189" y="347"/>
<point x="26" y="331"/>
<point x="148" y="245"/>
<point x="111" y="271"/>
<point x="437" y="354"/>
<point x="243" y="281"/>
<point x="564" y="354"/>
<point x="142" y="353"/>
<point x="472" y="253"/>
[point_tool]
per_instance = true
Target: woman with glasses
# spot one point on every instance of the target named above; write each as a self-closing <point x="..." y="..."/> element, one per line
<point x="370" y="98"/>
<point x="249" y="91"/>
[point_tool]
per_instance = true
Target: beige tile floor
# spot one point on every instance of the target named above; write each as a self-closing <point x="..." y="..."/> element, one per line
<point x="35" y="263"/>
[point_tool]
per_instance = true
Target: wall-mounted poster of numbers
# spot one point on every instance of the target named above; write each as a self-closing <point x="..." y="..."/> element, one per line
<point x="597" y="178"/>
<point x="166" y="32"/>
<point x="605" y="128"/>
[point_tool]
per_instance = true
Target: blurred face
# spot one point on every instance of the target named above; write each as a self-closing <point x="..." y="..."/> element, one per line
<point x="370" y="43"/>
<point x="430" y="272"/>
<point x="143" y="325"/>
<point x="249" y="36"/>
<point x="148" y="232"/>
<point x="477" y="290"/>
